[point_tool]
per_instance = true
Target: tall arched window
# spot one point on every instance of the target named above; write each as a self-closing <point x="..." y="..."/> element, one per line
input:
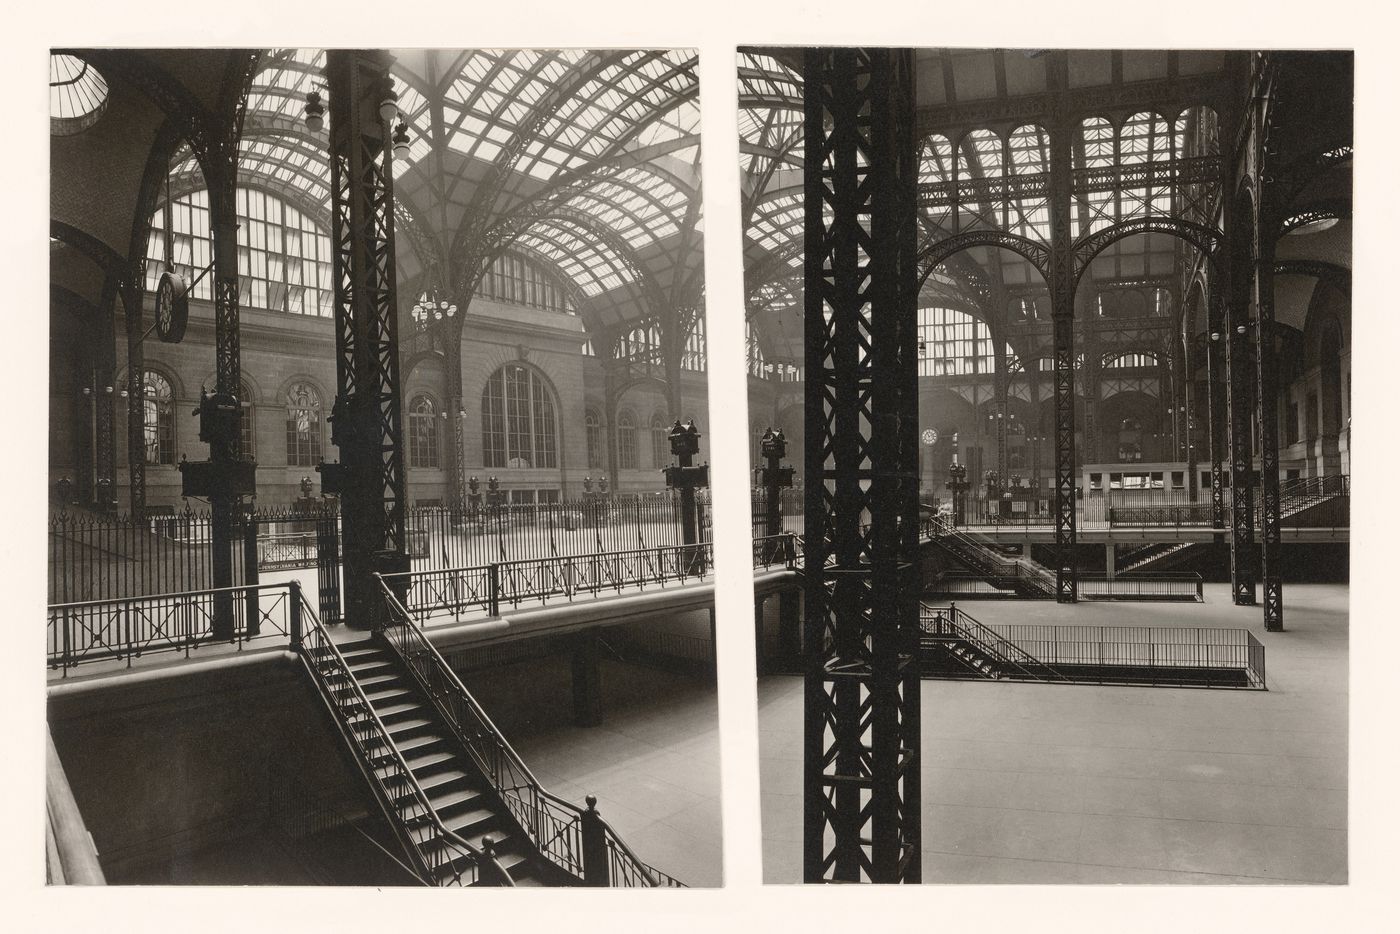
<point x="246" y="435"/>
<point x="422" y="432"/>
<point x="303" y="426"/>
<point x="158" y="419"/>
<point x="660" y="441"/>
<point x="593" y="434"/>
<point x="626" y="440"/>
<point x="517" y="419"/>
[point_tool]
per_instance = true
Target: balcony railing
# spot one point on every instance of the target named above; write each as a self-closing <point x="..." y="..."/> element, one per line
<point x="128" y="628"/>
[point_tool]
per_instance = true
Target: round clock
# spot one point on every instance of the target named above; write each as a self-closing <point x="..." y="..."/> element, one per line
<point x="172" y="307"/>
<point x="930" y="436"/>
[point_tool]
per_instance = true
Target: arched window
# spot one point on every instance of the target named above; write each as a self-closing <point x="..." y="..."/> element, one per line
<point x="303" y="426"/>
<point x="517" y="419"/>
<point x="660" y="441"/>
<point x="284" y="256"/>
<point x="626" y="440"/>
<point x="246" y="435"/>
<point x="158" y="419"/>
<point x="1129" y="360"/>
<point x="422" y="432"/>
<point x="593" y="434"/>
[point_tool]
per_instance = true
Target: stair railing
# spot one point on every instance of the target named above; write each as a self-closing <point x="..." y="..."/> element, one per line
<point x="557" y="828"/>
<point x="383" y="765"/>
<point x="980" y="552"/>
<point x="951" y="620"/>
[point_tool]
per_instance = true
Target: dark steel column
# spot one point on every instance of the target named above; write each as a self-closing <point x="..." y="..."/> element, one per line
<point x="104" y="393"/>
<point x="587" y="679"/>
<point x="368" y="409"/>
<point x="1061" y="281"/>
<point x="223" y="451"/>
<point x="1239" y="266"/>
<point x="1215" y="385"/>
<point x="861" y="764"/>
<point x="132" y="304"/>
<point x="1267" y="366"/>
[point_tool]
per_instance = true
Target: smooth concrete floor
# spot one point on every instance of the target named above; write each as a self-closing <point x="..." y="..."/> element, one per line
<point x="653" y="764"/>
<point x="1032" y="783"/>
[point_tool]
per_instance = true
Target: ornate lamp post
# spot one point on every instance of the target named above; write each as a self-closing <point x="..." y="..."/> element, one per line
<point x="775" y="479"/>
<point x="685" y="444"/>
<point x="957" y="485"/>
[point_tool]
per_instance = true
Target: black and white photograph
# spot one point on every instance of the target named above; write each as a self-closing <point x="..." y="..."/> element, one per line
<point x="1049" y="378"/>
<point x="379" y="521"/>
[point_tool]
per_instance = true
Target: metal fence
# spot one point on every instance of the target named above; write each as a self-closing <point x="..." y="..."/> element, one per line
<point x="1163" y="587"/>
<point x="98" y="557"/>
<point x="130" y="627"/>
<point x="1164" y="655"/>
<point x="487" y="588"/>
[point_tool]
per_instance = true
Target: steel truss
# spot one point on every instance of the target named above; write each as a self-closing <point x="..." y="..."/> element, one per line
<point x="367" y="414"/>
<point x="861" y="807"/>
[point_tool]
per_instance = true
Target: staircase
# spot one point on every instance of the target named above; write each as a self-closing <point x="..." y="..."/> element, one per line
<point x="953" y="644"/>
<point x="1329" y="497"/>
<point x="1153" y="556"/>
<point x="1021" y="575"/>
<point x="459" y="797"/>
<point x="463" y="806"/>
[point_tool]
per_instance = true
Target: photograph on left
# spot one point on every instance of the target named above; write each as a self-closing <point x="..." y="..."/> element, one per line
<point x="379" y="520"/>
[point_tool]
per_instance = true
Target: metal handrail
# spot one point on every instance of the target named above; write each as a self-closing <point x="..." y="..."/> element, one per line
<point x="986" y="640"/>
<point x="427" y="863"/>
<point x="498" y="756"/>
<point x="984" y="552"/>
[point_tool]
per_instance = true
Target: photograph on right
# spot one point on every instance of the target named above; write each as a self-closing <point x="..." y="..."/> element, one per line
<point x="1049" y="358"/>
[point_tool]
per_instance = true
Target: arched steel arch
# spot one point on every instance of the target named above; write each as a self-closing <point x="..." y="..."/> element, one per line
<point x="1037" y="254"/>
<point x="1206" y="239"/>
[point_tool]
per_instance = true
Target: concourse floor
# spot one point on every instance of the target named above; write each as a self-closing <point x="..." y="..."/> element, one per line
<point x="653" y="763"/>
<point x="1045" y="783"/>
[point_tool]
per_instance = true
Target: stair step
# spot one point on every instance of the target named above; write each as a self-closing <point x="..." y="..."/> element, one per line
<point x="386" y="696"/>
<point x="387" y="679"/>
<point x="399" y="728"/>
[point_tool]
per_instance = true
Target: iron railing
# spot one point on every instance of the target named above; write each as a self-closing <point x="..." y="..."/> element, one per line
<point x="489" y="587"/>
<point x="981" y="555"/>
<point x="438" y="856"/>
<point x="1010" y="658"/>
<point x="1167" y="586"/>
<point x="130" y="627"/>
<point x="556" y="828"/>
<point x="1168" y="655"/>
<point x="94" y="556"/>
<point x="776" y="551"/>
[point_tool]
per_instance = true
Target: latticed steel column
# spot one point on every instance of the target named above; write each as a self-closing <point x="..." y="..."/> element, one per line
<point x="1267" y="367"/>
<point x="1061" y="282"/>
<point x="223" y="507"/>
<point x="1239" y="273"/>
<point x="861" y="811"/>
<point x="368" y="408"/>
<point x="1219" y="415"/>
<point x="104" y="392"/>
<point x="132" y="294"/>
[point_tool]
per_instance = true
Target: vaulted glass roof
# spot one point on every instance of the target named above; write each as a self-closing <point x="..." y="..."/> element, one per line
<point x="600" y="146"/>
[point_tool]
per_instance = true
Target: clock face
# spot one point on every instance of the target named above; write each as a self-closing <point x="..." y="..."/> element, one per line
<point x="930" y="436"/>
<point x="172" y="308"/>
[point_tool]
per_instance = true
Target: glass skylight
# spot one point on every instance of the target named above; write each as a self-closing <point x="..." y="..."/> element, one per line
<point x="77" y="95"/>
